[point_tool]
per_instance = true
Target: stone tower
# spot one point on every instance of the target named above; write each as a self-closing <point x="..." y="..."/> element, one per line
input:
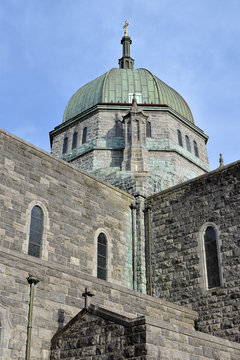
<point x="129" y="128"/>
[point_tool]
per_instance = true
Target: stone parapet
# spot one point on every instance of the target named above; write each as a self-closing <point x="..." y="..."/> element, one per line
<point x="97" y="333"/>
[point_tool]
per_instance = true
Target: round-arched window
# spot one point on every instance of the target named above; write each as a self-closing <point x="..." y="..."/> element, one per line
<point x="36" y="229"/>
<point x="102" y="257"/>
<point x="211" y="255"/>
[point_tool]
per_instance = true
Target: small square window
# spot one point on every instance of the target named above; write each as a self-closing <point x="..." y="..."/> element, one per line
<point x="138" y="97"/>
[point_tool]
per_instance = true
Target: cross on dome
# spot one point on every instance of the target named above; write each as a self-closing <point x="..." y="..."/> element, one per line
<point x="125" y="26"/>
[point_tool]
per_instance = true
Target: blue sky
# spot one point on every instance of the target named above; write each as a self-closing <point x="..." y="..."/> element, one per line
<point x="50" y="48"/>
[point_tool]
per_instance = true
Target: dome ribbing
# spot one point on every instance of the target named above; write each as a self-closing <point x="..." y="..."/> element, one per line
<point x="116" y="85"/>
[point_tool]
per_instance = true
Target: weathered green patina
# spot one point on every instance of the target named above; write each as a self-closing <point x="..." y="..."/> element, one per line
<point x="118" y="85"/>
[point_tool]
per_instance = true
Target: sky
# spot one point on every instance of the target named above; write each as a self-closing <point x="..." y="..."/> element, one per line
<point x="50" y="48"/>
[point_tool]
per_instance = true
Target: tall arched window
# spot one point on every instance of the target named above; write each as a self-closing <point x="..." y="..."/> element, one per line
<point x="179" y="138"/>
<point x="195" y="148"/>
<point x="36" y="230"/>
<point x="187" y="143"/>
<point x="102" y="257"/>
<point x="65" y="145"/>
<point x="74" y="140"/>
<point x="211" y="256"/>
<point x="149" y="130"/>
<point x="84" y="135"/>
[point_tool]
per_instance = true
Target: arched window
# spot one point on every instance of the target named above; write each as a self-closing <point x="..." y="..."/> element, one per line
<point x="187" y="143"/>
<point x="84" y="135"/>
<point x="65" y="145"/>
<point x="211" y="257"/>
<point x="102" y="256"/>
<point x="36" y="230"/>
<point x="74" y="140"/>
<point x="195" y="148"/>
<point x="179" y="138"/>
<point x="149" y="130"/>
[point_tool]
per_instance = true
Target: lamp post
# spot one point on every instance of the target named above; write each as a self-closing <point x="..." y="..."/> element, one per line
<point x="32" y="280"/>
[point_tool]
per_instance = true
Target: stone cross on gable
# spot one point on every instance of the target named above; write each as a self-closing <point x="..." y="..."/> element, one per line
<point x="87" y="295"/>
<point x="221" y="163"/>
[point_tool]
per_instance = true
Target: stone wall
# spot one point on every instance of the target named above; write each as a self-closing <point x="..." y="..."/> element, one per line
<point x="58" y="298"/>
<point x="76" y="208"/>
<point x="178" y="218"/>
<point x="167" y="342"/>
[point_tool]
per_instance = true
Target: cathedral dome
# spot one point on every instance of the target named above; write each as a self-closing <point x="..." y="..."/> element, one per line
<point x="118" y="85"/>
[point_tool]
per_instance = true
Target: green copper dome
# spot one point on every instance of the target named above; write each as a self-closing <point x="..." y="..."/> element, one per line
<point x="116" y="85"/>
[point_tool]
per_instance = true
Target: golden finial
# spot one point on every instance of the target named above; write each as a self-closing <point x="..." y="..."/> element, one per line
<point x="127" y="23"/>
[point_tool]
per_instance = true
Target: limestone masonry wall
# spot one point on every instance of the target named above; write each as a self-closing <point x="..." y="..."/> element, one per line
<point x="58" y="298"/>
<point x="76" y="208"/>
<point x="178" y="217"/>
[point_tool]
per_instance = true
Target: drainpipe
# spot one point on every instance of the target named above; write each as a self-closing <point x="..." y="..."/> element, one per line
<point x="32" y="280"/>
<point x="133" y="208"/>
<point x="148" y="213"/>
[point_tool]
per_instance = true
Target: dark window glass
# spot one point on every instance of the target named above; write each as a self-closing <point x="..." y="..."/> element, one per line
<point x="149" y="129"/>
<point x="179" y="138"/>
<point x="210" y="242"/>
<point x="74" y="140"/>
<point x="102" y="257"/>
<point x="138" y="130"/>
<point x="101" y="273"/>
<point x="187" y="143"/>
<point x="129" y="132"/>
<point x="84" y="135"/>
<point x="195" y="148"/>
<point x="119" y="129"/>
<point x="36" y="228"/>
<point x="102" y="262"/>
<point x="65" y="145"/>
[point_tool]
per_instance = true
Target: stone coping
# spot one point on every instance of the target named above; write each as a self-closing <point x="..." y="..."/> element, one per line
<point x="105" y="314"/>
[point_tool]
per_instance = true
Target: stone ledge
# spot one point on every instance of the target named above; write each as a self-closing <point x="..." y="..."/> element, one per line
<point x="192" y="333"/>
